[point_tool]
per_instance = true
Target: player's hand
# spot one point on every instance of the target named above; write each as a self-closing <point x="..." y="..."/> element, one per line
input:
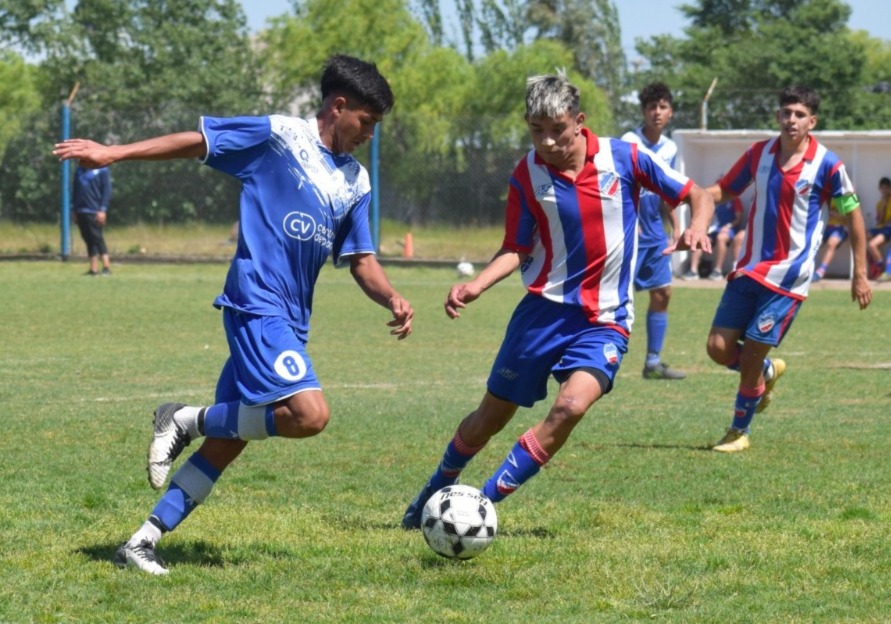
<point x="100" y="219"/>
<point x="91" y="155"/>
<point x="459" y="296"/>
<point x="402" y="317"/>
<point x="688" y="240"/>
<point x="861" y="291"/>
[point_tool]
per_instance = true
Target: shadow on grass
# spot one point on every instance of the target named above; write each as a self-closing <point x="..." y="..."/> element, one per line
<point x="198" y="553"/>
<point x="681" y="447"/>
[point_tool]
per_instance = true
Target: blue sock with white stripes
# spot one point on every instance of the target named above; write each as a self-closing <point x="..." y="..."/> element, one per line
<point x="188" y="488"/>
<point x="236" y="420"/>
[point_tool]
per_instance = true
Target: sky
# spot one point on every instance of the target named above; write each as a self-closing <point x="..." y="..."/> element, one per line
<point x="638" y="18"/>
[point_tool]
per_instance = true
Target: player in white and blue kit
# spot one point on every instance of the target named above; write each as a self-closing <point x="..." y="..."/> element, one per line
<point x="304" y="198"/>
<point x="653" y="270"/>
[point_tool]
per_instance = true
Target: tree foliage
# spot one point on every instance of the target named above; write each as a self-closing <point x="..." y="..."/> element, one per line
<point x="144" y="68"/>
<point x="457" y="126"/>
<point x="755" y="48"/>
<point x="19" y="96"/>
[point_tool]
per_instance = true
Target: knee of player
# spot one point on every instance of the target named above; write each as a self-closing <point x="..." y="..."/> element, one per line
<point x="568" y="410"/>
<point x="306" y="421"/>
<point x="315" y="422"/>
<point x="717" y="350"/>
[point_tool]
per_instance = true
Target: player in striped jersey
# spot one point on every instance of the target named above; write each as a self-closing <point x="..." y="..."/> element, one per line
<point x="571" y="229"/>
<point x="795" y="180"/>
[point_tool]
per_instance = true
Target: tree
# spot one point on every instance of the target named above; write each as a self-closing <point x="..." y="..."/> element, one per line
<point x="145" y="68"/>
<point x="755" y="48"/>
<point x="457" y="128"/>
<point x="589" y="28"/>
<point x="18" y="95"/>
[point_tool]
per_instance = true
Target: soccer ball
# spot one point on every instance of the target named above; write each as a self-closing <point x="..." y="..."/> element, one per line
<point x="464" y="269"/>
<point x="459" y="522"/>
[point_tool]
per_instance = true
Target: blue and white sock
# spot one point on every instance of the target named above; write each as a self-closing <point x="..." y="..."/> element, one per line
<point x="236" y="420"/>
<point x="522" y="463"/>
<point x="189" y="487"/>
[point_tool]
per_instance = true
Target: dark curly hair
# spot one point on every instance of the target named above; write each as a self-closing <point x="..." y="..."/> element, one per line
<point x="654" y="92"/>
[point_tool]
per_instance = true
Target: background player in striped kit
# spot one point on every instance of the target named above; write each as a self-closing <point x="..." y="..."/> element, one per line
<point x="795" y="179"/>
<point x="571" y="228"/>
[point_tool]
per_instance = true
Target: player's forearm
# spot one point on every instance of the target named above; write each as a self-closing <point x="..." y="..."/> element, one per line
<point x="502" y="264"/>
<point x="170" y="146"/>
<point x="370" y="277"/>
<point x="702" y="208"/>
<point x="857" y="232"/>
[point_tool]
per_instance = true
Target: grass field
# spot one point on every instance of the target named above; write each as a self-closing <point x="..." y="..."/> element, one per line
<point x="633" y="521"/>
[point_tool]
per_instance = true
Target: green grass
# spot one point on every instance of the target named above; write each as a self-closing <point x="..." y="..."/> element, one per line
<point x="632" y="521"/>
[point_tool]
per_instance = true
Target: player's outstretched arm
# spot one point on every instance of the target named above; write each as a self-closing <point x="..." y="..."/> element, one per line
<point x="503" y="264"/>
<point x="702" y="209"/>
<point x="861" y="292"/>
<point x="370" y="276"/>
<point x="92" y="154"/>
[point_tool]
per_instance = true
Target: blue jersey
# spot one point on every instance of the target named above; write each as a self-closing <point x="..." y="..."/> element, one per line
<point x="299" y="204"/>
<point x="92" y="190"/>
<point x="652" y="230"/>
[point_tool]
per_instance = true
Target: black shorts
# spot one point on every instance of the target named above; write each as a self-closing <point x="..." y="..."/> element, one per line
<point x="91" y="232"/>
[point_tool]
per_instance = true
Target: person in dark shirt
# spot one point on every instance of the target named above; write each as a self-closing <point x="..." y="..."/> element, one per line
<point x="92" y="193"/>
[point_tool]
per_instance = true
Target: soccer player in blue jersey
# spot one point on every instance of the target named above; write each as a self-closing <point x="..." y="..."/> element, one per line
<point x="303" y="199"/>
<point x="795" y="179"/>
<point x="571" y="229"/>
<point x="653" y="270"/>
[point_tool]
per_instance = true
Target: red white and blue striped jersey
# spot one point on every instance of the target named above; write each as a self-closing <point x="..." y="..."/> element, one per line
<point x="580" y="236"/>
<point x="788" y="214"/>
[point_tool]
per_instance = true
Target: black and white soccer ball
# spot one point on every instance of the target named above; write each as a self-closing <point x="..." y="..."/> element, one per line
<point x="459" y="522"/>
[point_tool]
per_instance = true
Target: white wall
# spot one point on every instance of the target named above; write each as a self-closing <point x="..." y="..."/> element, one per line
<point x="706" y="154"/>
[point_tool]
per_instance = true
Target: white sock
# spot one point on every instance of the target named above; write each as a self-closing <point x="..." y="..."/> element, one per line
<point x="187" y="418"/>
<point x="148" y="531"/>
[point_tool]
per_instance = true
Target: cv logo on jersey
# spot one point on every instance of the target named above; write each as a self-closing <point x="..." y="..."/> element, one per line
<point x="299" y="225"/>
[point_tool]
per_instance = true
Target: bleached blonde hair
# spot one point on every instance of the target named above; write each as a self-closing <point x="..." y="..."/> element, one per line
<point x="551" y="95"/>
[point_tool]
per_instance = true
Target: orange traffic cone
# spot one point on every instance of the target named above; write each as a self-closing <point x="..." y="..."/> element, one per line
<point x="408" y="248"/>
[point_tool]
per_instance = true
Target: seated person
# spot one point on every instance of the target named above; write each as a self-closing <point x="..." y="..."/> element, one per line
<point x="881" y="234"/>
<point x="833" y="236"/>
<point x="727" y="230"/>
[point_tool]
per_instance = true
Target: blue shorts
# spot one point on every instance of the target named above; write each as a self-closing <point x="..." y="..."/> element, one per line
<point x="731" y="234"/>
<point x="884" y="230"/>
<point x="545" y="338"/>
<point x="838" y="231"/>
<point x="763" y="315"/>
<point x="653" y="269"/>
<point x="267" y="361"/>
